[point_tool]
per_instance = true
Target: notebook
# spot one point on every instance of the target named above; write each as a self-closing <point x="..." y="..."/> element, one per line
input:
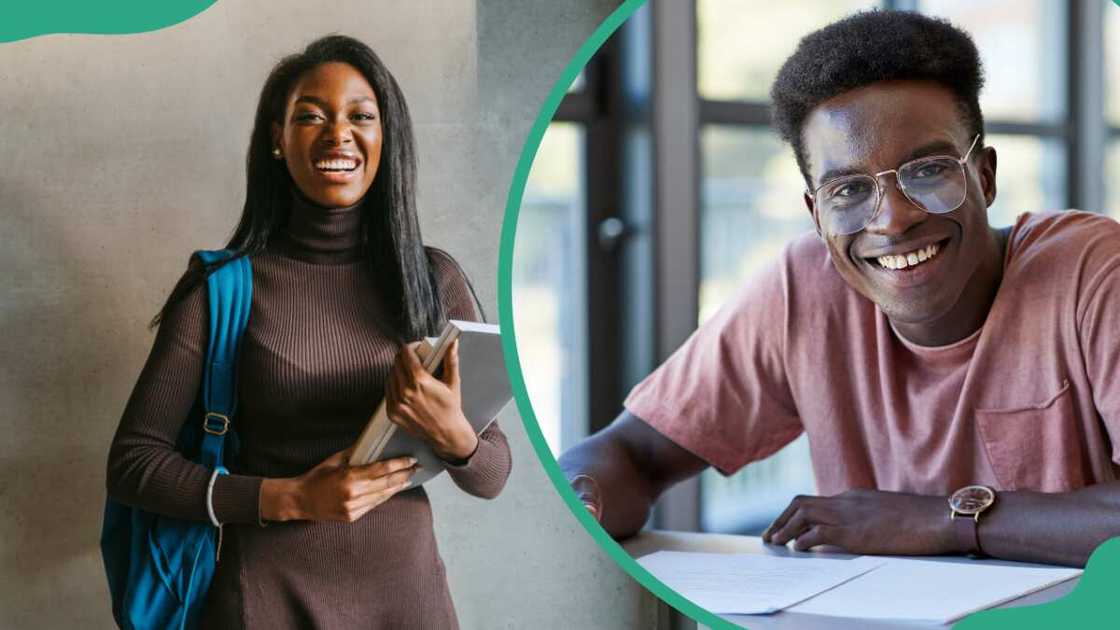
<point x="484" y="386"/>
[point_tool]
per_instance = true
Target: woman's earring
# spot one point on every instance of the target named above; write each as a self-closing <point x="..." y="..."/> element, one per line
<point x="276" y="153"/>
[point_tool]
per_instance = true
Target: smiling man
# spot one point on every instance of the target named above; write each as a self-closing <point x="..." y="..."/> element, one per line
<point x="954" y="378"/>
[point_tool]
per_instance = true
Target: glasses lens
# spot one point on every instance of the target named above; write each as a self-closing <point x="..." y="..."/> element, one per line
<point x="935" y="184"/>
<point x="847" y="204"/>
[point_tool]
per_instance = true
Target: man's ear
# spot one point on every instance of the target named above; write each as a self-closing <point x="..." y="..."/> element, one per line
<point x="987" y="169"/>
<point x="808" y="199"/>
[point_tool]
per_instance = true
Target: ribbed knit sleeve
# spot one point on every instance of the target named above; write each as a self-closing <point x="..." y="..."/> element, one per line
<point x="485" y="473"/>
<point x="144" y="469"/>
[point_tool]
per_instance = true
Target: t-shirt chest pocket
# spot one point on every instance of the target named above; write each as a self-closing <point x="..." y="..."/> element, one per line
<point x="1034" y="446"/>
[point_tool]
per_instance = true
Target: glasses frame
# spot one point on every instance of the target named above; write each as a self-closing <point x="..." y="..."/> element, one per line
<point x="880" y="189"/>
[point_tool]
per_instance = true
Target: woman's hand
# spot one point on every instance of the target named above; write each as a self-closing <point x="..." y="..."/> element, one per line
<point x="430" y="408"/>
<point x="334" y="490"/>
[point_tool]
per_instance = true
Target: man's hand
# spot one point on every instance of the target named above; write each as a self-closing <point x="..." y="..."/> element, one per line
<point x="619" y="472"/>
<point x="867" y="522"/>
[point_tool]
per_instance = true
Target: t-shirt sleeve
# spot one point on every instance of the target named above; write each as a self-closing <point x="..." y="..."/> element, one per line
<point x="724" y="394"/>
<point x="144" y="468"/>
<point x="1099" y="325"/>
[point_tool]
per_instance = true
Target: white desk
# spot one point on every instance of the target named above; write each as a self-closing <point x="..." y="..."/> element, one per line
<point x="650" y="541"/>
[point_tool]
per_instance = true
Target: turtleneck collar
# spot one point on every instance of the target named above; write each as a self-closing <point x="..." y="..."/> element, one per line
<point x="321" y="235"/>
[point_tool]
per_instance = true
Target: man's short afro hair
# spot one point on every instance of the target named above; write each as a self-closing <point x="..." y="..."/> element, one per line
<point x="869" y="47"/>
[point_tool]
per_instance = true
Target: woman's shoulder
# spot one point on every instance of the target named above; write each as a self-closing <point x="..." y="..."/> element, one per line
<point x="449" y="274"/>
<point x="189" y="296"/>
<point x="443" y="263"/>
<point x="455" y="288"/>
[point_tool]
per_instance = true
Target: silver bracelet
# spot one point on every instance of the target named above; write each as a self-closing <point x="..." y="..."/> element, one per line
<point x="210" y="496"/>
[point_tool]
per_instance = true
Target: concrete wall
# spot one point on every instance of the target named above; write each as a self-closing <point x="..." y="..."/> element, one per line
<point x="122" y="154"/>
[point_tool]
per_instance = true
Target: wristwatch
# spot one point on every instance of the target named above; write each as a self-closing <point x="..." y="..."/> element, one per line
<point x="965" y="507"/>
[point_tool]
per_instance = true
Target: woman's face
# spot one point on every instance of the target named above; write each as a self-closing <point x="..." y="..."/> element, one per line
<point x="330" y="137"/>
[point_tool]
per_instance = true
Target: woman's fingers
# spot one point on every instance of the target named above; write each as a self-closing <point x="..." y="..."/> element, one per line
<point x="361" y="506"/>
<point x="451" y="367"/>
<point x="405" y="418"/>
<point x="397" y="396"/>
<point x="366" y="487"/>
<point x="383" y="467"/>
<point x="410" y="361"/>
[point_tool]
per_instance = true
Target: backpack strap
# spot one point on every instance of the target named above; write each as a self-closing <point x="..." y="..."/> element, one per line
<point x="231" y="294"/>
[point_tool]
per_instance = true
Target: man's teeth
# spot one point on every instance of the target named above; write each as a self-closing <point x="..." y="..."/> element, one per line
<point x="336" y="165"/>
<point x="915" y="257"/>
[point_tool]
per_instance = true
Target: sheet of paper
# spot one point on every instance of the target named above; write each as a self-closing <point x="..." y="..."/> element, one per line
<point x="931" y="590"/>
<point x="750" y="583"/>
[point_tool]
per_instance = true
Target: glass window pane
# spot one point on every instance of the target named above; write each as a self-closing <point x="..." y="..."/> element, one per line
<point x="1112" y="62"/>
<point x="578" y="83"/>
<point x="1030" y="177"/>
<point x="749" y="500"/>
<point x="751" y="207"/>
<point x="1112" y="179"/>
<point x="1022" y="46"/>
<point x="741" y="44"/>
<point x="548" y="294"/>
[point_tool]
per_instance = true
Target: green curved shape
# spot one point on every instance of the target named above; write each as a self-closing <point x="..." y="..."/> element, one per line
<point x="21" y="19"/>
<point x="1087" y="604"/>
<point x="509" y="343"/>
<point x="1091" y="604"/>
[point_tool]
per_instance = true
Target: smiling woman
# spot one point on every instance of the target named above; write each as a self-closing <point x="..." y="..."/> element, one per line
<point x="341" y="283"/>
<point x="333" y="102"/>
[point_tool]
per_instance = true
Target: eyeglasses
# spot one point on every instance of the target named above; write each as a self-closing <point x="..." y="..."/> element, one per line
<point x="936" y="184"/>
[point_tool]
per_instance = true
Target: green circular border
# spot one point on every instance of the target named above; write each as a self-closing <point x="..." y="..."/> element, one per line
<point x="509" y="343"/>
<point x="1089" y="601"/>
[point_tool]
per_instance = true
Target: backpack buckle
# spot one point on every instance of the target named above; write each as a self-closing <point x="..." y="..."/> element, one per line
<point x="221" y="429"/>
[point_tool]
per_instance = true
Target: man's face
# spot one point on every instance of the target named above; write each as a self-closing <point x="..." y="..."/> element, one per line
<point x="877" y="128"/>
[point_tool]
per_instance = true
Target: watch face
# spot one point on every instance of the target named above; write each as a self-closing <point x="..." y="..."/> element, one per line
<point x="972" y="499"/>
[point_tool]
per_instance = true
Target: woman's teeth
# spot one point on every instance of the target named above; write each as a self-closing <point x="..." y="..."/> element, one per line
<point x="911" y="259"/>
<point x="336" y="165"/>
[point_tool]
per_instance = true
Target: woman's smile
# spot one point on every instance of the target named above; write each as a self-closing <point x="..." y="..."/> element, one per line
<point x="338" y="167"/>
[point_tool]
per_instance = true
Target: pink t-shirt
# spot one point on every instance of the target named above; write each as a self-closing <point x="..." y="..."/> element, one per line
<point x="1029" y="401"/>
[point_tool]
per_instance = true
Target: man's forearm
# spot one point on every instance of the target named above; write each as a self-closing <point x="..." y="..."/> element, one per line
<point x="625" y="496"/>
<point x="1061" y="528"/>
<point x="630" y="464"/>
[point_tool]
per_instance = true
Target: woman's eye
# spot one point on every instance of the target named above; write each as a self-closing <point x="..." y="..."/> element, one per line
<point x="366" y="116"/>
<point x="308" y="117"/>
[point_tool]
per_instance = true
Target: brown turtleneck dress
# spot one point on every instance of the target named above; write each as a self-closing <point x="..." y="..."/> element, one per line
<point x="312" y="370"/>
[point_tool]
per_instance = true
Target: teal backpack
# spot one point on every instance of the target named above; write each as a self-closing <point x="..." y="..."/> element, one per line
<point x="160" y="568"/>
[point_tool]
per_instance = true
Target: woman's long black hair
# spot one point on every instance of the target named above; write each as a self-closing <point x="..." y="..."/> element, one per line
<point x="391" y="241"/>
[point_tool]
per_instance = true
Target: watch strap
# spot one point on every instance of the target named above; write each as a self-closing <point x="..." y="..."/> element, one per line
<point x="968" y="535"/>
